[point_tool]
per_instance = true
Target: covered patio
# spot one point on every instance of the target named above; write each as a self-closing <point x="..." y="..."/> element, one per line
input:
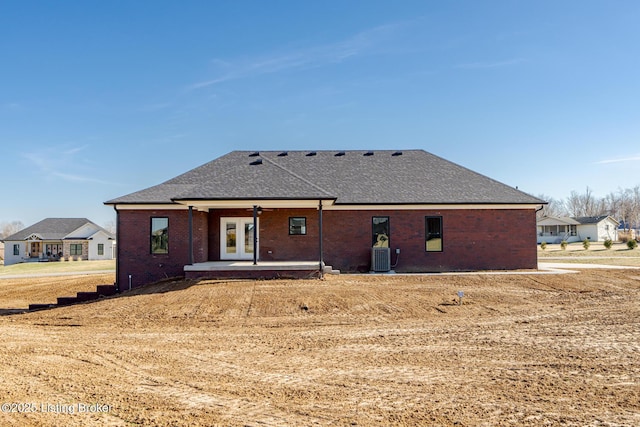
<point x="239" y="244"/>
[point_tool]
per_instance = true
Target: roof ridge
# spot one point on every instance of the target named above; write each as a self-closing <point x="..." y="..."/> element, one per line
<point x="317" y="187"/>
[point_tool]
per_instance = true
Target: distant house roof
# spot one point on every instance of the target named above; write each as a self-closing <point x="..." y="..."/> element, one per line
<point x="582" y="220"/>
<point x="594" y="219"/>
<point x="55" y="229"/>
<point x="345" y="177"/>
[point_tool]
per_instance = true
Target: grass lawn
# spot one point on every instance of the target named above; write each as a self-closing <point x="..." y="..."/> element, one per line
<point x="619" y="254"/>
<point x="56" y="267"/>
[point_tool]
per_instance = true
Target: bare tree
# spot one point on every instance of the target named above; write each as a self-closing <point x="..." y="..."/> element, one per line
<point x="110" y="226"/>
<point x="9" y="228"/>
<point x="634" y="208"/>
<point x="573" y="204"/>
<point x="552" y="208"/>
<point x="585" y="204"/>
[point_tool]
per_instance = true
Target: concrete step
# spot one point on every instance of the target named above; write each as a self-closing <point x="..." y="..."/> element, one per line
<point x="327" y="269"/>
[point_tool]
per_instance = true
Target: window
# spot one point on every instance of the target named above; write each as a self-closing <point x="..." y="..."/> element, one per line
<point x="16" y="249"/>
<point x="380" y="231"/>
<point x="433" y="233"/>
<point x="159" y="235"/>
<point x="100" y="248"/>
<point x="75" y="249"/>
<point x="297" y="225"/>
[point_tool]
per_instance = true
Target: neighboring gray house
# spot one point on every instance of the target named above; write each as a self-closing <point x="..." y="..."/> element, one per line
<point x="576" y="229"/>
<point x="54" y="239"/>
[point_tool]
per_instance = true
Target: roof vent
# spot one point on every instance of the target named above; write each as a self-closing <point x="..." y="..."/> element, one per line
<point x="311" y="154"/>
<point x="368" y="153"/>
<point x="283" y="154"/>
<point x="254" y="154"/>
<point x="340" y="154"/>
<point x="397" y="153"/>
<point x="256" y="162"/>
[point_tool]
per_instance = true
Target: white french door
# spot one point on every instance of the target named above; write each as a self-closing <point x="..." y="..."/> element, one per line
<point x="236" y="238"/>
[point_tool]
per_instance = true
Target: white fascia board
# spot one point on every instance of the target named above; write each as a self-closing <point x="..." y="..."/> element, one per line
<point x="265" y="203"/>
<point x="428" y="207"/>
<point x="613" y="220"/>
<point x="151" y="207"/>
<point x="204" y="205"/>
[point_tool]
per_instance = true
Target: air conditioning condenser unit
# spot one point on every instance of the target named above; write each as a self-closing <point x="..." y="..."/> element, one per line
<point x="380" y="260"/>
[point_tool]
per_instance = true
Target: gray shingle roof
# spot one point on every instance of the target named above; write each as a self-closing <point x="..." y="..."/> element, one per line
<point x="349" y="177"/>
<point x="52" y="229"/>
<point x="591" y="219"/>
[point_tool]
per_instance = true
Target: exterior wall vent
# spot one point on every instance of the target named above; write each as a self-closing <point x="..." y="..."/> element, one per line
<point x="380" y="259"/>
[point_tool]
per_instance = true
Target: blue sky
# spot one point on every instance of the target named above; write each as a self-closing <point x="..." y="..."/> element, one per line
<point x="102" y="98"/>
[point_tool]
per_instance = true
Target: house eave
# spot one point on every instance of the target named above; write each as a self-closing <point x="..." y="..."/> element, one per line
<point x="240" y="203"/>
<point x="327" y="204"/>
<point x="431" y="206"/>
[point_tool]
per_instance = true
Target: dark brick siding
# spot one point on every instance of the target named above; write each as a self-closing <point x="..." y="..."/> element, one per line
<point x="472" y="240"/>
<point x="134" y="247"/>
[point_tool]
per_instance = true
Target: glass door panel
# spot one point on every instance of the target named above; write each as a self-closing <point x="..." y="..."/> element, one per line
<point x="248" y="237"/>
<point x="236" y="238"/>
<point x="231" y="238"/>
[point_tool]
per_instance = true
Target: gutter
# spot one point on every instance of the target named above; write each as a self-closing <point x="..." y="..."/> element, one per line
<point x="115" y="208"/>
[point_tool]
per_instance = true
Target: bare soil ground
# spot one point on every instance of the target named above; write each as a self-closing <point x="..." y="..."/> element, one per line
<point x="17" y="294"/>
<point x="348" y="350"/>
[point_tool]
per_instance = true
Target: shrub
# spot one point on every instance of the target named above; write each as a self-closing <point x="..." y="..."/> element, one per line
<point x="563" y="245"/>
<point x="543" y="245"/>
<point x="608" y="243"/>
<point x="632" y="244"/>
<point x="586" y="243"/>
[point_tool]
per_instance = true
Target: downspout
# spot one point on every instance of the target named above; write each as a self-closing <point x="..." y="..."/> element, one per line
<point x="536" y="216"/>
<point x="115" y="208"/>
<point x="191" y="235"/>
<point x="321" y="265"/>
<point x="255" y="234"/>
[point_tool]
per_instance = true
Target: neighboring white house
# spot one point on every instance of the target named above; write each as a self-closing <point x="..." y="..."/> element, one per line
<point x="55" y="239"/>
<point x="576" y="229"/>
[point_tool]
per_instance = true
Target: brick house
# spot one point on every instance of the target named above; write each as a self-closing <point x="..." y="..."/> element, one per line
<point x="356" y="211"/>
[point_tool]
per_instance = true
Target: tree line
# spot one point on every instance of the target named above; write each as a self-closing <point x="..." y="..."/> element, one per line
<point x="9" y="228"/>
<point x="623" y="205"/>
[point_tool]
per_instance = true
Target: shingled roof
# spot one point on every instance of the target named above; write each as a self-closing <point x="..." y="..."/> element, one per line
<point x="346" y="177"/>
<point x="52" y="229"/>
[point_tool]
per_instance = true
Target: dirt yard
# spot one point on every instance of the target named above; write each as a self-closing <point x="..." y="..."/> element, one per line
<point x="346" y="351"/>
